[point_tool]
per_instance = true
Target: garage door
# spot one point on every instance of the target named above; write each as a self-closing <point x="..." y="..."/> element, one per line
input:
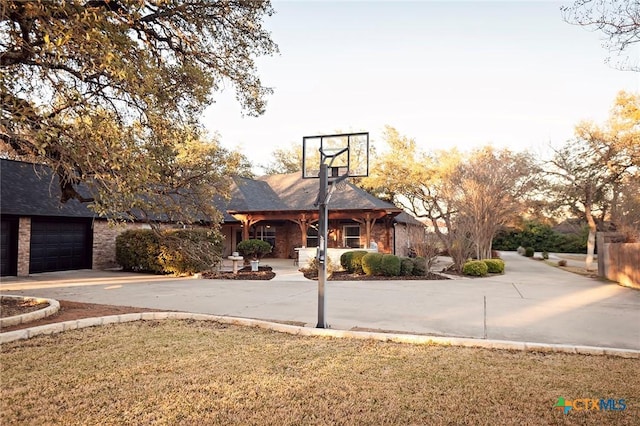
<point x="8" y="246"/>
<point x="60" y="245"/>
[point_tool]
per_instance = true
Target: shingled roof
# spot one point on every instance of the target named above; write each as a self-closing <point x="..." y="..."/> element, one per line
<point x="301" y="194"/>
<point x="33" y="190"/>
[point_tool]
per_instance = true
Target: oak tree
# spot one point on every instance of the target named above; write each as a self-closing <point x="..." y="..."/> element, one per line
<point x="592" y="174"/>
<point x="618" y="20"/>
<point x="109" y="94"/>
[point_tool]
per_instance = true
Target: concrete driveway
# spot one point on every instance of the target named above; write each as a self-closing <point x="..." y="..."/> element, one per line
<point x="531" y="302"/>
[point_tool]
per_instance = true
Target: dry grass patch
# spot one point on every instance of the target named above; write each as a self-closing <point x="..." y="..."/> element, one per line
<point x="186" y="372"/>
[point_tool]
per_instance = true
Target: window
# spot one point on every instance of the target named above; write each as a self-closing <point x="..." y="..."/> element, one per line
<point x="266" y="233"/>
<point x="312" y="237"/>
<point x="351" y="236"/>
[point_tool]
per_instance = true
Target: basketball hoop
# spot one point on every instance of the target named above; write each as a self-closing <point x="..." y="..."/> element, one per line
<point x="340" y="183"/>
<point x="332" y="159"/>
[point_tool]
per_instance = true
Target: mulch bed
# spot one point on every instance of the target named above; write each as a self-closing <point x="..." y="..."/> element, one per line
<point x="70" y="311"/>
<point x="346" y="276"/>
<point x="263" y="273"/>
<point x="12" y="307"/>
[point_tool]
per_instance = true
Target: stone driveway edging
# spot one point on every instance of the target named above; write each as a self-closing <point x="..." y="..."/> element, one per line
<point x="54" y="307"/>
<point x="47" y="329"/>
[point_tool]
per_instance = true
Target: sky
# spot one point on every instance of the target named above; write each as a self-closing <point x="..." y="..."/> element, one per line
<point x="447" y="74"/>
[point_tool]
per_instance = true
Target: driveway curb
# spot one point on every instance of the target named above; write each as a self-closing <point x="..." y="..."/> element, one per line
<point x="47" y="329"/>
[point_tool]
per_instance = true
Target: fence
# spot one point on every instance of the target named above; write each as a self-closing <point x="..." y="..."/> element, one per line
<point x="619" y="262"/>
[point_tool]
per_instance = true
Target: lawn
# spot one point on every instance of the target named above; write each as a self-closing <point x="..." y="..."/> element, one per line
<point x="188" y="372"/>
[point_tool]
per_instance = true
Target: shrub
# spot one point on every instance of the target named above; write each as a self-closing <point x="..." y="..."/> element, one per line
<point x="494" y="266"/>
<point x="545" y="255"/>
<point x="419" y="266"/>
<point x="476" y="268"/>
<point x="390" y="265"/>
<point x="254" y="249"/>
<point x="138" y="250"/>
<point x="521" y="250"/>
<point x="351" y="261"/>
<point x="188" y="251"/>
<point x="371" y="263"/>
<point x="529" y="252"/>
<point x="345" y="260"/>
<point x="562" y="262"/>
<point x="183" y="251"/>
<point x="312" y="266"/>
<point x="406" y="266"/>
<point x="356" y="262"/>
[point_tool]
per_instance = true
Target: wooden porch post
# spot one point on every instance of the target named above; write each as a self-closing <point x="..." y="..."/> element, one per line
<point x="247" y="222"/>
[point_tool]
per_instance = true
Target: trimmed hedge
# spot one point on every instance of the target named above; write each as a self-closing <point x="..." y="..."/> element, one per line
<point x="345" y="260"/>
<point x="390" y="265"/>
<point x="494" y="266"/>
<point x="406" y="266"/>
<point x="254" y="249"/>
<point x="139" y="251"/>
<point x="419" y="266"/>
<point x="529" y="252"/>
<point x="179" y="251"/>
<point x="371" y="263"/>
<point x="351" y="261"/>
<point x="476" y="268"/>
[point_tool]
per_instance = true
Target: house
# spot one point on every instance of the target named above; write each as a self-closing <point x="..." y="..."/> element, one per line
<point x="39" y="234"/>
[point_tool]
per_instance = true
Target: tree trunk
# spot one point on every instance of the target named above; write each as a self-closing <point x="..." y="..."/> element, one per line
<point x="591" y="239"/>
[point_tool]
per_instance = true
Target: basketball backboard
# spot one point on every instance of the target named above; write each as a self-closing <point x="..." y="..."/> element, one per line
<point x="345" y="154"/>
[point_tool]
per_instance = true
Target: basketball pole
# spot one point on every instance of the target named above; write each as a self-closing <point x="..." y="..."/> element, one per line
<point x="322" y="253"/>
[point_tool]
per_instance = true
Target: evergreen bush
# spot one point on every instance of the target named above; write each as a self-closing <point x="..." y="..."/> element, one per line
<point x="494" y="266"/>
<point x="419" y="265"/>
<point x="390" y="265"/>
<point x="138" y="250"/>
<point x="254" y="249"/>
<point x="406" y="266"/>
<point x="371" y="263"/>
<point x="189" y="251"/>
<point x="529" y="252"/>
<point x="356" y="262"/>
<point x="182" y="251"/>
<point x="476" y="268"/>
<point x="345" y="260"/>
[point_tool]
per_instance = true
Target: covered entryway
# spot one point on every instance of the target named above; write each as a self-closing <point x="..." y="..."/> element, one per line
<point x="8" y="246"/>
<point x="60" y="245"/>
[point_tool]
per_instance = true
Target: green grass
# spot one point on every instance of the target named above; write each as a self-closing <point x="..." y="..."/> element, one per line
<point x="186" y="372"/>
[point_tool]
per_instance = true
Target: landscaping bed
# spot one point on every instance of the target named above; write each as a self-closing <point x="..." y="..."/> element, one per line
<point x="70" y="311"/>
<point x="346" y="276"/>
<point x="263" y="273"/>
<point x="13" y="307"/>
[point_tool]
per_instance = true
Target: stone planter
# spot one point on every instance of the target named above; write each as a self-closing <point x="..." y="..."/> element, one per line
<point x="254" y="265"/>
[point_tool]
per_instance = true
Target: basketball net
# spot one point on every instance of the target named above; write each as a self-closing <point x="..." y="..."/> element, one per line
<point x="340" y="182"/>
